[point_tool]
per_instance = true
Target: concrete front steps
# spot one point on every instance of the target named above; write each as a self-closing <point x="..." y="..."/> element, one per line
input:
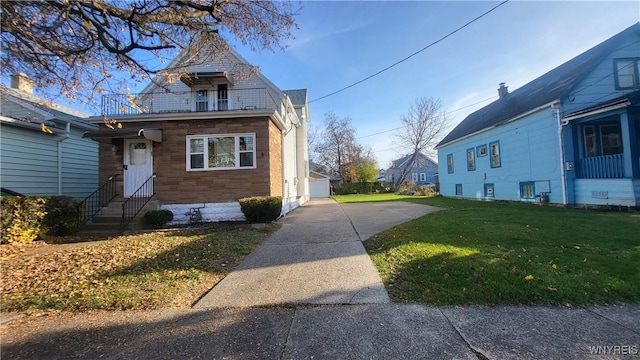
<point x="108" y="220"/>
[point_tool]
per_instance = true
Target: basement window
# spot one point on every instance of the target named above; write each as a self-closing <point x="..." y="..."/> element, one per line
<point x="459" y="189"/>
<point x="488" y="190"/>
<point x="528" y="190"/>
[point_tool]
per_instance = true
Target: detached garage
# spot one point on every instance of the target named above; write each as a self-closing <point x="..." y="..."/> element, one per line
<point x="318" y="185"/>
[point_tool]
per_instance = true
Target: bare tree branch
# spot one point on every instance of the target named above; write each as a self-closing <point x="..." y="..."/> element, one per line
<point x="337" y="149"/>
<point x="422" y="126"/>
<point x="70" y="46"/>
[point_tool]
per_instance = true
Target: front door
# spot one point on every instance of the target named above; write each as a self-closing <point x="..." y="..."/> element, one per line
<point x="138" y="165"/>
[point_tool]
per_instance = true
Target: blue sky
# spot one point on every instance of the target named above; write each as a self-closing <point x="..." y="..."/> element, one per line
<point x="339" y="43"/>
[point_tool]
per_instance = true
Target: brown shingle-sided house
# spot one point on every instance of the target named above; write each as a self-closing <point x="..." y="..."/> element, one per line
<point x="202" y="142"/>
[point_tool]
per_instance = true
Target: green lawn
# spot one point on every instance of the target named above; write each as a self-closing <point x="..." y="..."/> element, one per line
<point x="477" y="252"/>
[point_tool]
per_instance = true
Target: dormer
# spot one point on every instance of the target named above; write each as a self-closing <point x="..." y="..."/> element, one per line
<point x="210" y="90"/>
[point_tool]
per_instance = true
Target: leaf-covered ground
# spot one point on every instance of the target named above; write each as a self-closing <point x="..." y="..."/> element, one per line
<point x="146" y="271"/>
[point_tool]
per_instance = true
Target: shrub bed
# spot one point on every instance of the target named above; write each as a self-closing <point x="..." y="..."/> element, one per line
<point x="158" y="217"/>
<point x="261" y="209"/>
<point x="364" y="188"/>
<point x="27" y="218"/>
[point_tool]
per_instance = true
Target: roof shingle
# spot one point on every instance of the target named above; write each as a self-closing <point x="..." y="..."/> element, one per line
<point x="543" y="90"/>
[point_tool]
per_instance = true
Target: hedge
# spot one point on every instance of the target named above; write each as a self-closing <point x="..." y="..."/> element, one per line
<point x="27" y="218"/>
<point x="364" y="188"/>
<point x="261" y="209"/>
<point x="158" y="217"/>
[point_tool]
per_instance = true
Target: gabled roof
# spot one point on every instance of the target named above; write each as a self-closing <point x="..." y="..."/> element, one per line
<point x="422" y="160"/>
<point x="298" y="97"/>
<point x="548" y="88"/>
<point x="47" y="108"/>
<point x="230" y="52"/>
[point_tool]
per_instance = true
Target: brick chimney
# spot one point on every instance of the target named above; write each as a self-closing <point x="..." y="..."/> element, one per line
<point x="22" y="82"/>
<point x="503" y="90"/>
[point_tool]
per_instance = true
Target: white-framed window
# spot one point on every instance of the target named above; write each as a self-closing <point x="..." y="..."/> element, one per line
<point x="423" y="177"/>
<point x="414" y="177"/>
<point x="221" y="152"/>
<point x="202" y="100"/>
<point x="626" y="73"/>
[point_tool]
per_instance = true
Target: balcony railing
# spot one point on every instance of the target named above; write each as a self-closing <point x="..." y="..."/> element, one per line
<point x="601" y="167"/>
<point x="188" y="101"/>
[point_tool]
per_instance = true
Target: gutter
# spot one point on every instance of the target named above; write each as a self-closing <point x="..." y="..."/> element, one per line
<point x="205" y="115"/>
<point x="581" y="114"/>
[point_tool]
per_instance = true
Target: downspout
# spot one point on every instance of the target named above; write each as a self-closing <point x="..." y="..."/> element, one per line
<point x="283" y="133"/>
<point x="563" y="175"/>
<point x="284" y="178"/>
<point x="66" y="136"/>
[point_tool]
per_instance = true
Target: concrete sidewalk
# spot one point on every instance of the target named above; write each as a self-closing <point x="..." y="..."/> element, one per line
<point x="369" y="331"/>
<point x="315" y="258"/>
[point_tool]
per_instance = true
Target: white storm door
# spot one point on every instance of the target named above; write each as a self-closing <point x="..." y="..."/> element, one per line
<point x="138" y="165"/>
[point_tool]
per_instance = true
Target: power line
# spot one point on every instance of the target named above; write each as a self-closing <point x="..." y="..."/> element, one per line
<point x="446" y="113"/>
<point x="412" y="55"/>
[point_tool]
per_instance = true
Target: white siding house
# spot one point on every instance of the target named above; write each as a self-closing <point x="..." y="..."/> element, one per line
<point x="219" y="133"/>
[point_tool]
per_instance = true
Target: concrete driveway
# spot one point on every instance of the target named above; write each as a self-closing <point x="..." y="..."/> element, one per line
<point x="316" y="257"/>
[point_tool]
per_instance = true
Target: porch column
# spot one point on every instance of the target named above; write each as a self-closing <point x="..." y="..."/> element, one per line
<point x="627" y="141"/>
<point x="634" y="137"/>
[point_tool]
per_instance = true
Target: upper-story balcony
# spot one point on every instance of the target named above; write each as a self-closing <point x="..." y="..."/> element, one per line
<point x="188" y="101"/>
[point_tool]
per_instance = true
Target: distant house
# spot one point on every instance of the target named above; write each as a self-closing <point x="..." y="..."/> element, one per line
<point x="570" y="136"/>
<point x="41" y="145"/>
<point x="422" y="172"/>
<point x="208" y="139"/>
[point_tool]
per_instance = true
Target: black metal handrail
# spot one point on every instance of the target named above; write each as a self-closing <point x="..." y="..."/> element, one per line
<point x="132" y="206"/>
<point x="92" y="204"/>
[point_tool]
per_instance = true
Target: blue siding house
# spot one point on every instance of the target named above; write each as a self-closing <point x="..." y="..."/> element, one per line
<point x="42" y="151"/>
<point x="571" y="136"/>
<point x="422" y="172"/>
